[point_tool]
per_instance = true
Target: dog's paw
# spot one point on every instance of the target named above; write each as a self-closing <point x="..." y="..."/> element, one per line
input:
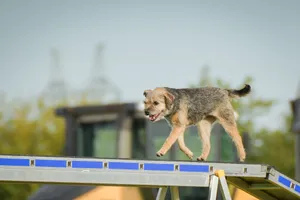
<point x="159" y="154"/>
<point x="190" y="155"/>
<point x="242" y="158"/>
<point x="201" y="158"/>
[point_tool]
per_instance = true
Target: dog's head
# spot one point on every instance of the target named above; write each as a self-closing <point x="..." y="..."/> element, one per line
<point x="157" y="103"/>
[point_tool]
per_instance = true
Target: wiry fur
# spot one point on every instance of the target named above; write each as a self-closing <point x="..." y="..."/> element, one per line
<point x="195" y="106"/>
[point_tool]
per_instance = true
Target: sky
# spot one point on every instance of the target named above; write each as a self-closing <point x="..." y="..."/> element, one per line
<point x="153" y="43"/>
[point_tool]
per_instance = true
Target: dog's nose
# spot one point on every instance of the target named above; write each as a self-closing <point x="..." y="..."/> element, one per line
<point x="147" y="112"/>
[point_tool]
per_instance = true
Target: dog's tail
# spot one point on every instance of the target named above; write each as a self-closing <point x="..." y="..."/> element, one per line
<point x="239" y="93"/>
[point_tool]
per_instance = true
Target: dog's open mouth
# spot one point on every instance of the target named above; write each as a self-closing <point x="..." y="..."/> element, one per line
<point x="154" y="117"/>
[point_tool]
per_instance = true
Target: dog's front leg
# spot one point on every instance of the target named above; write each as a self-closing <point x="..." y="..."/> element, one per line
<point x="175" y="133"/>
<point x="183" y="147"/>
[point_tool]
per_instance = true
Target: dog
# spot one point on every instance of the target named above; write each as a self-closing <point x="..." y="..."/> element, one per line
<point x="201" y="107"/>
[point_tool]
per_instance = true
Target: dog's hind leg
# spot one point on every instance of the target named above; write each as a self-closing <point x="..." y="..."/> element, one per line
<point x="204" y="129"/>
<point x="227" y="120"/>
<point x="183" y="147"/>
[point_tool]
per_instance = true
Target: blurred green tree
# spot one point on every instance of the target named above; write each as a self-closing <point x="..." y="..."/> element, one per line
<point x="32" y="130"/>
<point x="276" y="148"/>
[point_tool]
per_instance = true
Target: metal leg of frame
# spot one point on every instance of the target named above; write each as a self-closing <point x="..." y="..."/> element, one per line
<point x="174" y="193"/>
<point x="224" y="186"/>
<point x="161" y="195"/>
<point x="213" y="187"/>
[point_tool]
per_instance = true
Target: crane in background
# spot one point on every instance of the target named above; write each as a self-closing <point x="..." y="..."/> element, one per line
<point x="56" y="89"/>
<point x="100" y="88"/>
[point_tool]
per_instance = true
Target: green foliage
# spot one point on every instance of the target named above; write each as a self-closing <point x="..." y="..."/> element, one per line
<point x="275" y="148"/>
<point x="32" y="130"/>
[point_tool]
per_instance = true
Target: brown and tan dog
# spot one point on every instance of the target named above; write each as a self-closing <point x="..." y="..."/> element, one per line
<point x="201" y="107"/>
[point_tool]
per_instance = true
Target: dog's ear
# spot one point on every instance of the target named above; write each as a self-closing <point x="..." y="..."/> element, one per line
<point x="169" y="98"/>
<point x="146" y="92"/>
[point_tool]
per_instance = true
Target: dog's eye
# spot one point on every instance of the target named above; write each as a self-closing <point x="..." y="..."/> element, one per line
<point x="155" y="103"/>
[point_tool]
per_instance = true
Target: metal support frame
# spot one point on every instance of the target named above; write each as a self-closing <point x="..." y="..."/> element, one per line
<point x="161" y="195"/>
<point x="174" y="193"/>
<point x="213" y="187"/>
<point x="150" y="173"/>
<point x="223" y="184"/>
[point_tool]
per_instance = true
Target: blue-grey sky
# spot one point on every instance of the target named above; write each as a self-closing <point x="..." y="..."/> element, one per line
<point x="153" y="43"/>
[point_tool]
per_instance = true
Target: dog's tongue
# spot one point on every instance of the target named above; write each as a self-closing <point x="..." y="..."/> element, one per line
<point x="151" y="117"/>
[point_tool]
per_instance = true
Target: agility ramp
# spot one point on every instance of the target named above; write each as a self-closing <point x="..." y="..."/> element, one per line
<point x="261" y="181"/>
